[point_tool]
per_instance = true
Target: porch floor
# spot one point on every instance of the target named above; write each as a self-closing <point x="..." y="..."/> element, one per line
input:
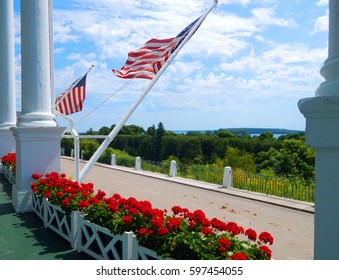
<point x="23" y="236"/>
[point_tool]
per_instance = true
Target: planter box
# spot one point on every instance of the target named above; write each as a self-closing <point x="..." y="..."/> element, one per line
<point x="143" y="253"/>
<point x="90" y="238"/>
<point x="55" y="218"/>
<point x="38" y="206"/>
<point x="101" y="244"/>
<point x="8" y="173"/>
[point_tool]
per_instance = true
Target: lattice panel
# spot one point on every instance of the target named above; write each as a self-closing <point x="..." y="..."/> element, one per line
<point x="99" y="242"/>
<point x="58" y="221"/>
<point x="9" y="174"/>
<point x="38" y="206"/>
<point x="147" y="254"/>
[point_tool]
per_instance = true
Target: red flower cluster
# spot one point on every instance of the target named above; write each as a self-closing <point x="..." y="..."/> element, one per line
<point x="182" y="234"/>
<point x="9" y="161"/>
<point x="63" y="192"/>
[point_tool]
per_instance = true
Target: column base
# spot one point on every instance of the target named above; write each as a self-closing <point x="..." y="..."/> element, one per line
<point x="36" y="119"/>
<point x="322" y="133"/>
<point x="21" y="200"/>
<point x="37" y="151"/>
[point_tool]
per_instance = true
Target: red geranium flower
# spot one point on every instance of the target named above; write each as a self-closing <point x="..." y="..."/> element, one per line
<point x="65" y="202"/>
<point x="162" y="231"/>
<point x="198" y="216"/>
<point x="47" y="194"/>
<point x="143" y="231"/>
<point x="207" y="231"/>
<point x="267" y="251"/>
<point x="173" y="222"/>
<point x="127" y="220"/>
<point x="224" y="242"/>
<point x="59" y="194"/>
<point x="36" y="176"/>
<point x="266" y="237"/>
<point x="133" y="211"/>
<point x="252" y="235"/>
<point x="239" y="256"/>
<point x="158" y="221"/>
<point x="83" y="203"/>
<point x="176" y="209"/>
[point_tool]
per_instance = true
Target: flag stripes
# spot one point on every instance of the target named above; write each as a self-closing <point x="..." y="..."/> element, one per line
<point x="71" y="101"/>
<point x="147" y="61"/>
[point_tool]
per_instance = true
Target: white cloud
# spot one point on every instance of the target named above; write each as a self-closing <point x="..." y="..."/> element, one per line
<point x="322" y="2"/>
<point x="247" y="65"/>
<point x="321" y="24"/>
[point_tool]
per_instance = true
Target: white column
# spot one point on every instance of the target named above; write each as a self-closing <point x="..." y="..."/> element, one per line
<point x="137" y="163"/>
<point x="173" y="169"/>
<point x="322" y="133"/>
<point x="36" y="135"/>
<point x="36" y="64"/>
<point x="7" y="77"/>
<point x="114" y="160"/>
<point x="227" y="179"/>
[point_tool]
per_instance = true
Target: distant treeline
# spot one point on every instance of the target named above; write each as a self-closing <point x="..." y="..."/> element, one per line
<point x="286" y="156"/>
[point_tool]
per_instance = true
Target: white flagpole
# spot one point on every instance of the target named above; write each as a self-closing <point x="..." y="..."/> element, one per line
<point x="123" y="120"/>
<point x="72" y="127"/>
<point x="76" y="142"/>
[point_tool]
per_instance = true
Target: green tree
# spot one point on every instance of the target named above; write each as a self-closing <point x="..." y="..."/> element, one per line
<point x="266" y="135"/>
<point x="238" y="159"/>
<point x="89" y="146"/>
<point x="160" y="132"/>
<point x="104" y="130"/>
<point x="294" y="159"/>
<point x="223" y="133"/>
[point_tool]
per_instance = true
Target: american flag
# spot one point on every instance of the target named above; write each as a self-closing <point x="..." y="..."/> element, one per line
<point x="71" y="101"/>
<point x="147" y="61"/>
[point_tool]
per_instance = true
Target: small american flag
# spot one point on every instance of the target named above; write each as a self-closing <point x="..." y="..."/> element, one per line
<point x="71" y="101"/>
<point x="147" y="61"/>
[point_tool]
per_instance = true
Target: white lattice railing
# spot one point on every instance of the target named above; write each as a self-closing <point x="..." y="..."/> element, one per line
<point x="38" y="207"/>
<point x="8" y="173"/>
<point x="90" y="238"/>
<point x="55" y="218"/>
<point x="101" y="244"/>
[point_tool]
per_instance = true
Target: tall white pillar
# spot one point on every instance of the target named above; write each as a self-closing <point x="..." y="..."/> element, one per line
<point x="37" y="136"/>
<point x="7" y="77"/>
<point x="36" y="64"/>
<point x="322" y="133"/>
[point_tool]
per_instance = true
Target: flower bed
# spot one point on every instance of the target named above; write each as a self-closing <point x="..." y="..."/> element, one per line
<point x="179" y="234"/>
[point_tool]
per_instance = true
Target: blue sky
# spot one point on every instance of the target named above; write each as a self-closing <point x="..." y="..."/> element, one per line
<point x="248" y="65"/>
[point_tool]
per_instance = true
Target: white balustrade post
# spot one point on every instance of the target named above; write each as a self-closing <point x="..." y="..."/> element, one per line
<point x="7" y="77"/>
<point x="129" y="246"/>
<point x="137" y="163"/>
<point x="113" y="160"/>
<point x="227" y="179"/>
<point x="82" y="154"/>
<point x="72" y="152"/>
<point x="173" y="169"/>
<point x="322" y="133"/>
<point x="37" y="136"/>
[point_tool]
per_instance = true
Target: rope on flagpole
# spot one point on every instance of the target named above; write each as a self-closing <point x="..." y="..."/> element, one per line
<point x="104" y="101"/>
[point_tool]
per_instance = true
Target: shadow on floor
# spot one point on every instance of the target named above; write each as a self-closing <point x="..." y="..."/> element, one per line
<point x="23" y="236"/>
